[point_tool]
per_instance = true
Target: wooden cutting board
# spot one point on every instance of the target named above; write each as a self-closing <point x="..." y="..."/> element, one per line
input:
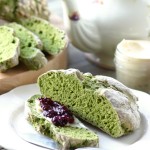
<point x="19" y="75"/>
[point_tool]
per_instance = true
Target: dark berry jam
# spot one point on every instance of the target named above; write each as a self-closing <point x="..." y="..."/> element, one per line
<point x="59" y="114"/>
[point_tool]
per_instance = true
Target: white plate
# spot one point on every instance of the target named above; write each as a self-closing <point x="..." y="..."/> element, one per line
<point x="11" y="116"/>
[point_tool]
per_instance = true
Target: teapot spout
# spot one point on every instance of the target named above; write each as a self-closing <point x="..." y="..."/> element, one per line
<point x="83" y="33"/>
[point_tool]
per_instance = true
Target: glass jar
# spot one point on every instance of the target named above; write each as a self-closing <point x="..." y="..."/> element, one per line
<point x="132" y="61"/>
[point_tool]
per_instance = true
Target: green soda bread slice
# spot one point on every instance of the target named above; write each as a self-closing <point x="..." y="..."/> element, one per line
<point x="30" y="45"/>
<point x="101" y="101"/>
<point x="33" y="58"/>
<point x="27" y="38"/>
<point x="9" y="48"/>
<point x="68" y="136"/>
<point x="53" y="39"/>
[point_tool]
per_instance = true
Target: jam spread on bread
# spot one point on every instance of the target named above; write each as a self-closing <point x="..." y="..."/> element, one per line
<point x="59" y="114"/>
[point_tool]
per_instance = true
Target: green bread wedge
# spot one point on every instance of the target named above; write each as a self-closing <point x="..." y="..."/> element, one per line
<point x="69" y="137"/>
<point x="9" y="48"/>
<point x="30" y="47"/>
<point x="53" y="39"/>
<point x="101" y="101"/>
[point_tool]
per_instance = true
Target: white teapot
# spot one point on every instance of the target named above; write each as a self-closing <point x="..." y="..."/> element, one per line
<point x="97" y="26"/>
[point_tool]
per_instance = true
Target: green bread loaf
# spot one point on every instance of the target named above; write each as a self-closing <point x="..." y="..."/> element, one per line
<point x="28" y="8"/>
<point x="14" y="10"/>
<point x="53" y="39"/>
<point x="9" y="48"/>
<point x="101" y="101"/>
<point x="30" y="47"/>
<point x="68" y="136"/>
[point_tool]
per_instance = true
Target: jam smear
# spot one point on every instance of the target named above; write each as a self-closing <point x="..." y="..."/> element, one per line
<point x="60" y="115"/>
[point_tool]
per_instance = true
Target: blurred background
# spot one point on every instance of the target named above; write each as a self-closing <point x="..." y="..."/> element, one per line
<point x="76" y="58"/>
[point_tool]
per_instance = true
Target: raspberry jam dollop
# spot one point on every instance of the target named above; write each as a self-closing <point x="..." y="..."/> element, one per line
<point x="59" y="114"/>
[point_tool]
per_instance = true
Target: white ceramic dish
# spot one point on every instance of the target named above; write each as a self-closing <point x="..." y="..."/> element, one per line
<point x="11" y="118"/>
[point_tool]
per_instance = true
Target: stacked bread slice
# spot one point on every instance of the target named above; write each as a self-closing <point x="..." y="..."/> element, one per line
<point x="38" y="38"/>
<point x="30" y="45"/>
<point x="9" y="48"/>
<point x="52" y="43"/>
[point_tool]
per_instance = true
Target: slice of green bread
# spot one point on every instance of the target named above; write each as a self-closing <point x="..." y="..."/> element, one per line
<point x="33" y="58"/>
<point x="30" y="45"/>
<point x="9" y="48"/>
<point x="68" y="136"/>
<point x="54" y="39"/>
<point x="102" y="101"/>
<point x="27" y="38"/>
